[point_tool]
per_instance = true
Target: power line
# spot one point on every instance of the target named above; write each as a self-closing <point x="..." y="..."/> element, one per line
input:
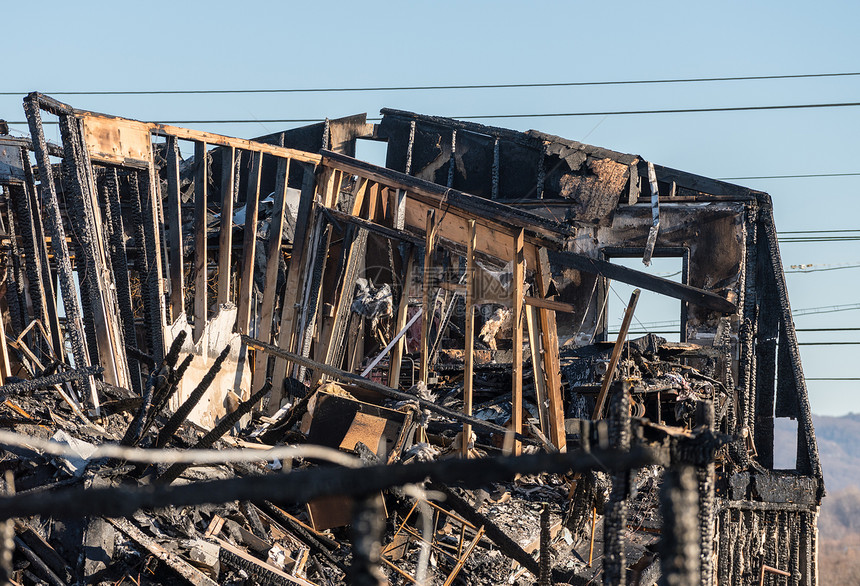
<point x="539" y="115"/>
<point x="800" y="240"/>
<point x="828" y="343"/>
<point x="799" y="330"/>
<point x="827" y="329"/>
<point x="802" y="176"/>
<point x="795" y="313"/>
<point x="820" y="268"/>
<point x="441" y="87"/>
<point x="781" y="232"/>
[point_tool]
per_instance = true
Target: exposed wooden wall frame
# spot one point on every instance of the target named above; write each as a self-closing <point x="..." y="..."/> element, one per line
<point x="517" y="292"/>
<point x="400" y="321"/>
<point x="249" y="247"/>
<point x="538" y="230"/>
<point x="469" y="357"/>
<point x="229" y="174"/>
<point x="74" y="324"/>
<point x="201" y="256"/>
<point x="552" y="364"/>
<point x="354" y="249"/>
<point x="273" y="257"/>
<point x="120" y="265"/>
<point x="295" y="274"/>
<point x="427" y="319"/>
<point x="533" y="327"/>
<point x="174" y="221"/>
<point x="82" y="200"/>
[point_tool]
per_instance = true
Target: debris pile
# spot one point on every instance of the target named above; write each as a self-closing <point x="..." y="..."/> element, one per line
<point x="264" y="361"/>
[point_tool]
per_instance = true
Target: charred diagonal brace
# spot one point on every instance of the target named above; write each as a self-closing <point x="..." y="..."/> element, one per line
<point x="301" y="486"/>
<point x="45" y="382"/>
<point x="39" y="566"/>
<point x="506" y="545"/>
<point x="304" y="535"/>
<point x="159" y="401"/>
<point x="140" y="355"/>
<point x="184" y="410"/>
<point x="173" y="561"/>
<point x="281" y="426"/>
<point x="226" y="423"/>
<point x="364" y="383"/>
<point x="636" y="278"/>
<point x="154" y="386"/>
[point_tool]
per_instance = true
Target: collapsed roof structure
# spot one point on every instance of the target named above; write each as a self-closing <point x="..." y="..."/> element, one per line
<point x="442" y="318"/>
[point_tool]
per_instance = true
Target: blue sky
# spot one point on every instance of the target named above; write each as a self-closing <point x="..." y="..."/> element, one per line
<point x="86" y="46"/>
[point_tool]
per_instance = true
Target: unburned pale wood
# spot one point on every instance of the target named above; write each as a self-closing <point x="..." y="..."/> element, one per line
<point x="533" y="328"/>
<point x="469" y="367"/>
<point x="273" y="256"/>
<point x="249" y="246"/>
<point x="225" y="236"/>
<point x="430" y="233"/>
<point x="616" y="355"/>
<point x="551" y="362"/>
<point x="518" y="266"/>
<point x="305" y="217"/>
<point x="400" y="322"/>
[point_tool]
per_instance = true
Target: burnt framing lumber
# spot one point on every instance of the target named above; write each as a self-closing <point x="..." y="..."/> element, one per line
<point x="74" y="322"/>
<point x="301" y="486"/>
<point x="636" y="278"/>
<point x="539" y="230"/>
<point x="370" y="385"/>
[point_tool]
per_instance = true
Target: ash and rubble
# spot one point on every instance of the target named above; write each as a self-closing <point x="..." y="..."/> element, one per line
<point x="508" y="438"/>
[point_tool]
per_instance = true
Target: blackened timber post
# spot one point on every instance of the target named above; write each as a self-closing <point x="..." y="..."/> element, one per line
<point x="615" y="516"/>
<point x="368" y="526"/>
<point x="679" y="546"/>
<point x="74" y="324"/>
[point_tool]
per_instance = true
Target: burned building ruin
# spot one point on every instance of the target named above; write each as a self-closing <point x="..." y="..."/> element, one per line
<point x="268" y="361"/>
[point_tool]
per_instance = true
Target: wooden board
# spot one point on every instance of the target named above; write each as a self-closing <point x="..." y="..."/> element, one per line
<point x="116" y="140"/>
<point x="341" y="422"/>
<point x="493" y="241"/>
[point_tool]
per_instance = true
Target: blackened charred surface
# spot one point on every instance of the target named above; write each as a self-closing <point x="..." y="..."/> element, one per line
<point x="343" y="135"/>
<point x="711" y="235"/>
<point x="431" y="152"/>
<point x="713" y="392"/>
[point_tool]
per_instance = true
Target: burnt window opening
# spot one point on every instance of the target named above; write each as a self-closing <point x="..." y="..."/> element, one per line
<point x="655" y="313"/>
<point x="371" y="150"/>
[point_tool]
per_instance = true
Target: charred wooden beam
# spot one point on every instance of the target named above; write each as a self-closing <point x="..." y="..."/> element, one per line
<point x="217" y="432"/>
<point x="364" y="383"/>
<point x="636" y="278"/>
<point x="119" y="263"/>
<point x="301" y="486"/>
<point x="184" y="410"/>
<point x="615" y="510"/>
<point x="40" y="567"/>
<point x="679" y="547"/>
<point x="260" y="572"/>
<point x="157" y="381"/>
<point x="173" y="561"/>
<point x="304" y="535"/>
<point x="45" y="382"/>
<point x="74" y="324"/>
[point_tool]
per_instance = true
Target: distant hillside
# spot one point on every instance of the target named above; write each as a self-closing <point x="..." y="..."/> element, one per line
<point x="839" y="522"/>
<point x="838" y="446"/>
